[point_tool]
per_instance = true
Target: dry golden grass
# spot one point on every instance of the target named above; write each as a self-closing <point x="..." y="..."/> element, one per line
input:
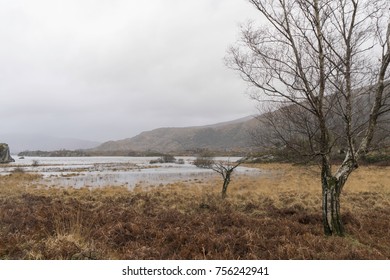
<point x="275" y="216"/>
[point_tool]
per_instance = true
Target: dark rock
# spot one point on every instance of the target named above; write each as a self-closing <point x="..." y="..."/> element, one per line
<point x="5" y="156"/>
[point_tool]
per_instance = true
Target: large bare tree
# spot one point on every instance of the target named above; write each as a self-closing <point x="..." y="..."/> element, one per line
<point x="327" y="61"/>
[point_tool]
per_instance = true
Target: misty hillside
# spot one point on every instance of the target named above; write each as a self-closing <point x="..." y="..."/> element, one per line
<point x="227" y="136"/>
<point x="236" y="135"/>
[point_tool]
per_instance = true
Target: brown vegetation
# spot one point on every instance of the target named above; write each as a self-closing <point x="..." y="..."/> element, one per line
<point x="277" y="216"/>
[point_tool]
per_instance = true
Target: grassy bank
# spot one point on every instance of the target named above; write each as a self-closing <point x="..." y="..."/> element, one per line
<point x="271" y="217"/>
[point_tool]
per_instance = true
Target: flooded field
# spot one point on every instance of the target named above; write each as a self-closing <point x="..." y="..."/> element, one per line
<point x="113" y="171"/>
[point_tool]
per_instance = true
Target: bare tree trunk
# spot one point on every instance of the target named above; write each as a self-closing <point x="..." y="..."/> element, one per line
<point x="332" y="185"/>
<point x="331" y="216"/>
<point x="226" y="181"/>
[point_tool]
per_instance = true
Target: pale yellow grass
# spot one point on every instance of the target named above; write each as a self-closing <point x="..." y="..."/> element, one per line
<point x="306" y="178"/>
<point x="299" y="186"/>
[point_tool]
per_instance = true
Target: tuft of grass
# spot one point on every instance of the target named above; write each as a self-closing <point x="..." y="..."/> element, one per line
<point x="273" y="216"/>
<point x="18" y="170"/>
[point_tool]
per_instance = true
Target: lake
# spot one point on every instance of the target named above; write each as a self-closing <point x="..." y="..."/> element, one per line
<point x="80" y="172"/>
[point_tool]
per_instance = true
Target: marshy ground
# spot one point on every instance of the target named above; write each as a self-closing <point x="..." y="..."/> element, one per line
<point x="265" y="217"/>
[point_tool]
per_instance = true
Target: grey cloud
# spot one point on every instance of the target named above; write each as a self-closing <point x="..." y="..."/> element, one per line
<point x="109" y="69"/>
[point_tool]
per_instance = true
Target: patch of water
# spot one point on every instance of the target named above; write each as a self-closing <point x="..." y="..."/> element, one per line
<point x="113" y="171"/>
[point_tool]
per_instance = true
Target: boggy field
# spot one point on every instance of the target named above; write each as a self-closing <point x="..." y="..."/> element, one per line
<point x="269" y="217"/>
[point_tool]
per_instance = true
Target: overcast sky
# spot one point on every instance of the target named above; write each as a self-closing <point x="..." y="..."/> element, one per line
<point x="109" y="69"/>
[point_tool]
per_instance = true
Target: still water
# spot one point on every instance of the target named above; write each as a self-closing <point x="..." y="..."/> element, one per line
<point x="113" y="171"/>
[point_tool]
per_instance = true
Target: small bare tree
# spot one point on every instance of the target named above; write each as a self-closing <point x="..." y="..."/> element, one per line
<point x="327" y="59"/>
<point x="225" y="169"/>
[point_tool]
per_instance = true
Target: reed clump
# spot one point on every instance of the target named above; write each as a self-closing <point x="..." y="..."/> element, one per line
<point x="273" y="216"/>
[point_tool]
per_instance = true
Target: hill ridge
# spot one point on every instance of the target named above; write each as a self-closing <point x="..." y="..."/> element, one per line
<point x="225" y="136"/>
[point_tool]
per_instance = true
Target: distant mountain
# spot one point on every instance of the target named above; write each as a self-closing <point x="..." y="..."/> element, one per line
<point x="227" y="136"/>
<point x="239" y="135"/>
<point x="30" y="142"/>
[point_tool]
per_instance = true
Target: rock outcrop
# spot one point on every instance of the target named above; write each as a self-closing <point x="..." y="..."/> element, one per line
<point x="5" y="156"/>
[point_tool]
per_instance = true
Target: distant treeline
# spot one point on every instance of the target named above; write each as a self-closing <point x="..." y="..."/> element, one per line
<point x="91" y="153"/>
<point x="283" y="155"/>
<point x="59" y="153"/>
<point x="85" y="153"/>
